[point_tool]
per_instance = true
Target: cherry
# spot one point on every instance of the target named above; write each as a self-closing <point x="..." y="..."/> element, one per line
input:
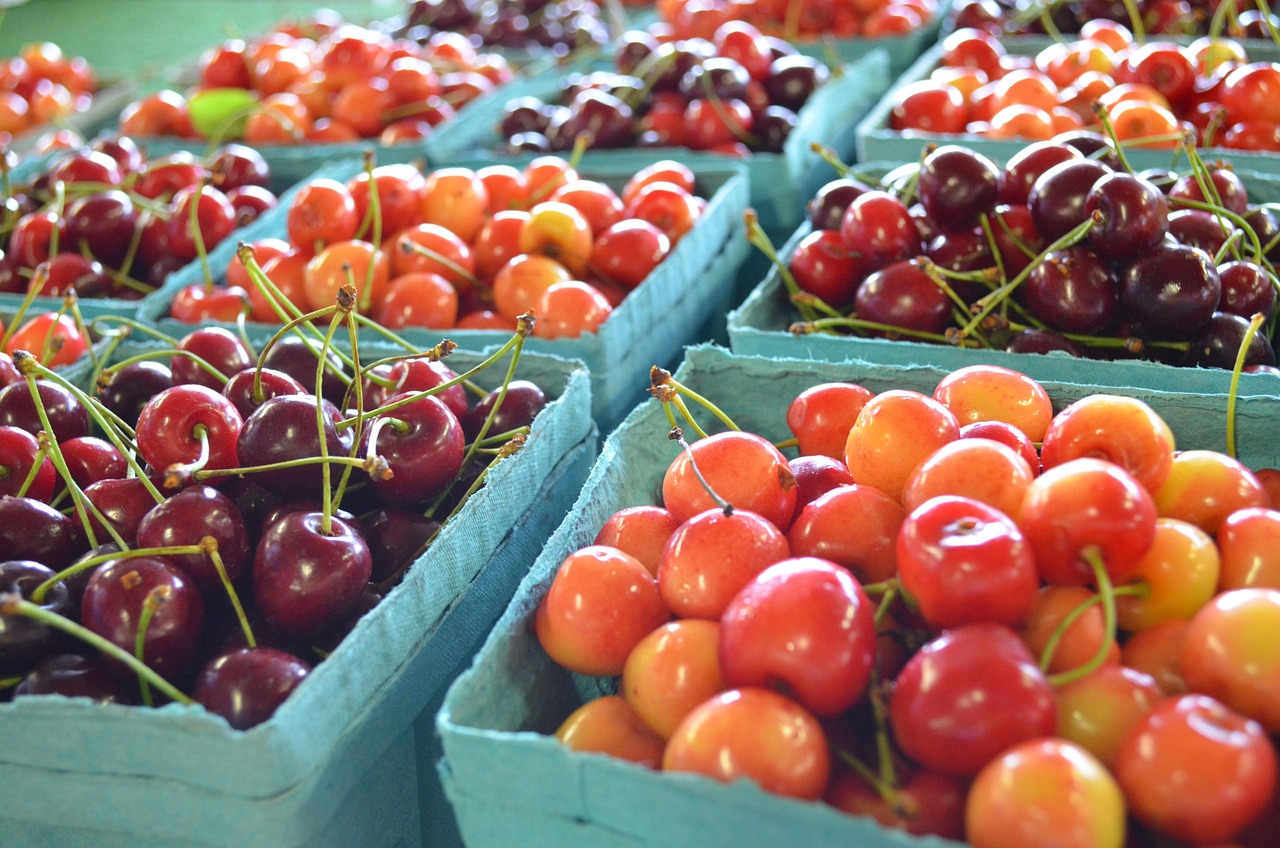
<point x="130" y="388"/>
<point x="521" y="403"/>
<point x="237" y="165"/>
<point x="241" y="391"/>
<point x="67" y="416"/>
<point x="31" y="529"/>
<point x="1058" y="197"/>
<point x="1247" y="288"/>
<point x="902" y="295"/>
<point x="1026" y="166"/>
<point x="826" y="209"/>
<point x="123" y="502"/>
<point x="25" y="641"/>
<point x="102" y="223"/>
<point x="1134" y="216"/>
<point x="114" y="604"/>
<point x="1072" y="290"/>
<point x="306" y="576"/>
<point x="957" y="186"/>
<point x="1171" y="291"/>
<point x="1227" y="187"/>
<point x="186" y="519"/>
<point x="172" y="424"/>
<point x="247" y="685"/>
<point x="73" y="272"/>
<point x="1198" y="228"/>
<point x="422" y="441"/>
<point x="299" y="359"/>
<point x="711" y="556"/>
<point x="219" y="347"/>
<point x="878" y="227"/>
<point x="18" y="450"/>
<point x="793" y="79"/>
<point x="395" y="537"/>
<point x="1218" y="343"/>
<point x="215" y="220"/>
<point x="284" y="428"/>
<point x="75" y="676"/>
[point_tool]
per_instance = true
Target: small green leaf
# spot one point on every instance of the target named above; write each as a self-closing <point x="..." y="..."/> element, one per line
<point x="221" y="113"/>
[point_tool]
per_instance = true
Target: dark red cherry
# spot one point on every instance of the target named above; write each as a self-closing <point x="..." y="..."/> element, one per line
<point x="123" y="502"/>
<point x="18" y="450"/>
<point x="823" y="266"/>
<point x="297" y="358"/>
<point x="76" y="676"/>
<point x="67" y="416"/>
<point x="878" y="227"/>
<point x="237" y="165"/>
<point x="816" y="475"/>
<point x="1247" y="288"/>
<point x="1132" y="216"/>
<point x="250" y="388"/>
<point x="132" y="386"/>
<point x="122" y="149"/>
<point x="827" y="208"/>
<point x="1042" y="341"/>
<point x="31" y="529"/>
<point x="396" y="536"/>
<point x="1026" y="166"/>
<point x="1073" y="291"/>
<point x="1225" y="183"/>
<point x="1093" y="145"/>
<point x="1199" y="228"/>
<point x="25" y="641"/>
<point x="247" y="685"/>
<point x="520" y="405"/>
<point x="903" y="295"/>
<point x="250" y="203"/>
<point x="73" y="272"/>
<point x="171" y="425"/>
<point x="186" y="519"/>
<point x="91" y="459"/>
<point x="284" y="428"/>
<point x="423" y="444"/>
<point x="216" y="346"/>
<point x="420" y="374"/>
<point x="792" y="79"/>
<point x="1218" y="344"/>
<point x="957" y="186"/>
<point x="1170" y="292"/>
<point x="1057" y="198"/>
<point x="1016" y="238"/>
<point x="113" y="607"/>
<point x="101" y="223"/>
<point x="306" y="580"/>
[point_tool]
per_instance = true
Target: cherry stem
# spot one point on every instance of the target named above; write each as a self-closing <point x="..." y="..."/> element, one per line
<point x="411" y="246"/>
<point x="155" y="598"/>
<point x="822" y="324"/>
<point x="375" y="212"/>
<point x="1135" y="21"/>
<point x="209" y="546"/>
<point x="33" y="290"/>
<point x="201" y="363"/>
<point x="787" y="443"/>
<point x="37" y="463"/>
<point x="884" y="752"/>
<point x="284" y="308"/>
<point x="829" y="155"/>
<point x="292" y="326"/>
<point x="197" y="237"/>
<point x="717" y="105"/>
<point x="1230" y="216"/>
<point x="887" y="793"/>
<point x="128" y="325"/>
<point x="13" y="604"/>
<point x="677" y="435"/>
<point x="346" y="299"/>
<point x="887" y="599"/>
<point x="211" y="473"/>
<point x="517" y="347"/>
<point x="759" y="239"/>
<point x="662" y="382"/>
<point x="1255" y="323"/>
<point x="356" y="386"/>
<point x="38" y="594"/>
<point x="1107" y="596"/>
<point x="178" y="472"/>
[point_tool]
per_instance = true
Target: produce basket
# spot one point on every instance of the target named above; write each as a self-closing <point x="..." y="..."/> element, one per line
<point x="759" y="327"/>
<point x="510" y="781"/>
<point x="677" y="304"/>
<point x="903" y="50"/>
<point x="335" y="765"/>
<point x="780" y="183"/>
<point x="876" y="141"/>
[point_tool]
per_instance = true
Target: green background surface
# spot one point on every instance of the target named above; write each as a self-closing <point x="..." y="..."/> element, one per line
<point x="130" y="38"/>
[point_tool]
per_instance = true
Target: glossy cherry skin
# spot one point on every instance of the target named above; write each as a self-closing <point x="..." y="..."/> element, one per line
<point x="188" y="517"/>
<point x="1247" y="288"/>
<point x="423" y="443"/>
<point x="132" y="386"/>
<point x="305" y="581"/>
<point x="25" y="641"/>
<point x="804" y="623"/>
<point x="419" y="374"/>
<point x="901" y="294"/>
<point x="1057" y="198"/>
<point x="1171" y="291"/>
<point x="395" y="537"/>
<point x="1218" y="344"/>
<point x="90" y="459"/>
<point x="957" y="186"/>
<point x="284" y="428"/>
<point x="968" y="695"/>
<point x="168" y="428"/>
<point x="18" y="450"/>
<point x="240" y="389"/>
<point x="123" y="502"/>
<point x="75" y="676"/>
<point x="878" y="227"/>
<point x="1134" y="216"/>
<point x="67" y="416"/>
<point x="520" y="405"/>
<point x="217" y="346"/>
<point x="1072" y="290"/>
<point x="31" y="529"/>
<point x="246" y="686"/>
<point x="1025" y="166"/>
<point x="826" y="210"/>
<point x="299" y="360"/>
<point x="113" y="603"/>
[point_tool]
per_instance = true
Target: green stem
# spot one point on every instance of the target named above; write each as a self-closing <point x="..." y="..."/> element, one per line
<point x="1255" y="324"/>
<point x="1107" y="596"/>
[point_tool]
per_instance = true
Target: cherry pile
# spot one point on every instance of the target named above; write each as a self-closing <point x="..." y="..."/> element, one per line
<point x="939" y="606"/>
<point x="105" y="221"/>
<point x="808" y="20"/>
<point x="1159" y="17"/>
<point x="320" y="82"/>
<point x="734" y="92"/>
<point x="1154" y="93"/>
<point x="40" y="86"/>
<point x="1062" y="249"/>
<point x="456" y="247"/>
<point x="54" y="338"/>
<point x="208" y="524"/>
<point x="560" y="27"/>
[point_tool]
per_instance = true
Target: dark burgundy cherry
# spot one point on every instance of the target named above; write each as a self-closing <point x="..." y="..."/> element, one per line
<point x="717" y="76"/>
<point x="329" y="640"/>
<point x="1247" y="288"/>
<point x="772" y="127"/>
<point x="672" y="60"/>
<point x="524" y="114"/>
<point x="1132" y="216"/>
<point x="1042" y="341"/>
<point x="86" y="166"/>
<point x="1266" y="227"/>
<point x="297" y="358"/>
<point x="251" y="387"/>
<point x="1093" y="145"/>
<point x="420" y="374"/>
<point x="76" y="676"/>
<point x="603" y="117"/>
<point x="18" y="450"/>
<point x="880" y="228"/>
<point x="1026" y="166"/>
<point x="186" y="519"/>
<point x="304" y="580"/>
<point x="67" y="416"/>
<point x="633" y="48"/>
<point x="520" y="405"/>
<point x="395" y="536"/>
<point x="1073" y="291"/>
<point x="237" y="165"/>
<point x="1016" y="238"/>
<point x="792" y="79"/>
<point x="284" y="428"/>
<point x="424" y="445"/>
<point x="903" y="295"/>
<point x="8" y="371"/>
<point x="102" y="223"/>
<point x="816" y="475"/>
<point x="957" y="186"/>
<point x="132" y="386"/>
<point x="73" y="272"/>
<point x="113" y="607"/>
<point x="247" y="685"/>
<point x="1230" y="190"/>
<point x="1199" y="228"/>
<point x="25" y="641"/>
<point x="215" y="220"/>
<point x="963" y="250"/>
<point x="1057" y="198"/>
<point x="31" y="529"/>
<point x="170" y="427"/>
<point x="826" y="210"/>
<point x="124" y="502"/>
<point x="1218" y="344"/>
<point x="77" y="582"/>
<point x="985" y="15"/>
<point x="31" y="239"/>
<point x="218" y="347"/>
<point x="1171" y="292"/>
<point x="122" y="149"/>
<point x="90" y="459"/>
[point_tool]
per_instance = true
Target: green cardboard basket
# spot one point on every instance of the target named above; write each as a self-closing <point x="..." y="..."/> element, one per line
<point x="337" y="764"/>
<point x="510" y="782"/>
